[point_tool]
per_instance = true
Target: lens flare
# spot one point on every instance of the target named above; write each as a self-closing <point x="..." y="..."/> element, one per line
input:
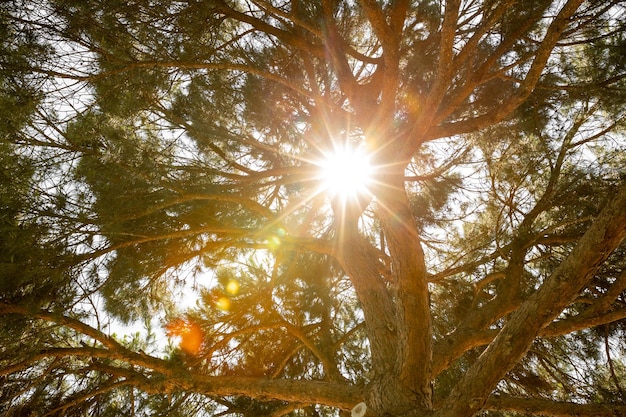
<point x="232" y="288"/>
<point x="223" y="303"/>
<point x="346" y="172"/>
<point x="189" y="332"/>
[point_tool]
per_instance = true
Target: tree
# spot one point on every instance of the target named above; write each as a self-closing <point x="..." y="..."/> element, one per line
<point x="158" y="153"/>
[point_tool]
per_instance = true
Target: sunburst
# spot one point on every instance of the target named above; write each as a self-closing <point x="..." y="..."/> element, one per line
<point x="346" y="173"/>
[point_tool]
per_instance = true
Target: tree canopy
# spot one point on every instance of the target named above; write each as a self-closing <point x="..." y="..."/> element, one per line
<point x="312" y="208"/>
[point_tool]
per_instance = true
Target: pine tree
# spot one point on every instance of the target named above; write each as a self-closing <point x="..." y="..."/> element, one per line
<point x="165" y="165"/>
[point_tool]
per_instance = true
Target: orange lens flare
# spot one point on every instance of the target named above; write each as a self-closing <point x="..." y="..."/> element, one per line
<point x="189" y="332"/>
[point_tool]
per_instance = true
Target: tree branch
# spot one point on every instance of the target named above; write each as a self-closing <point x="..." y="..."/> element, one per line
<point x="543" y="53"/>
<point x="558" y="291"/>
<point x="170" y="378"/>
<point x="551" y="408"/>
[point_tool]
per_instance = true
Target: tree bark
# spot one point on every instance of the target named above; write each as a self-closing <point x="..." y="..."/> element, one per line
<point x="550" y="408"/>
<point x="155" y="375"/>
<point x="558" y="291"/>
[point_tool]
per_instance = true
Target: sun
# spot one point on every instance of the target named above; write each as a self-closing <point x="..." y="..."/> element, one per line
<point x="345" y="172"/>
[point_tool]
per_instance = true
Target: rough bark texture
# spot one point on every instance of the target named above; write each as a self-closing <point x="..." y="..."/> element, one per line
<point x="559" y="290"/>
<point x="554" y="408"/>
<point x="411" y="294"/>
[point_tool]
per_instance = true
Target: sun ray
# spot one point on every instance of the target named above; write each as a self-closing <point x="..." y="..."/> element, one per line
<point x="345" y="173"/>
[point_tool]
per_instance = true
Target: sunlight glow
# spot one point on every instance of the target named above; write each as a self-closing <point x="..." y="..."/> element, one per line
<point x="346" y="172"/>
<point x="232" y="288"/>
<point x="188" y="332"/>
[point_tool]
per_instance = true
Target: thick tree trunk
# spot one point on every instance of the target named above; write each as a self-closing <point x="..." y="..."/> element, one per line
<point x="397" y="313"/>
<point x="414" y="357"/>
